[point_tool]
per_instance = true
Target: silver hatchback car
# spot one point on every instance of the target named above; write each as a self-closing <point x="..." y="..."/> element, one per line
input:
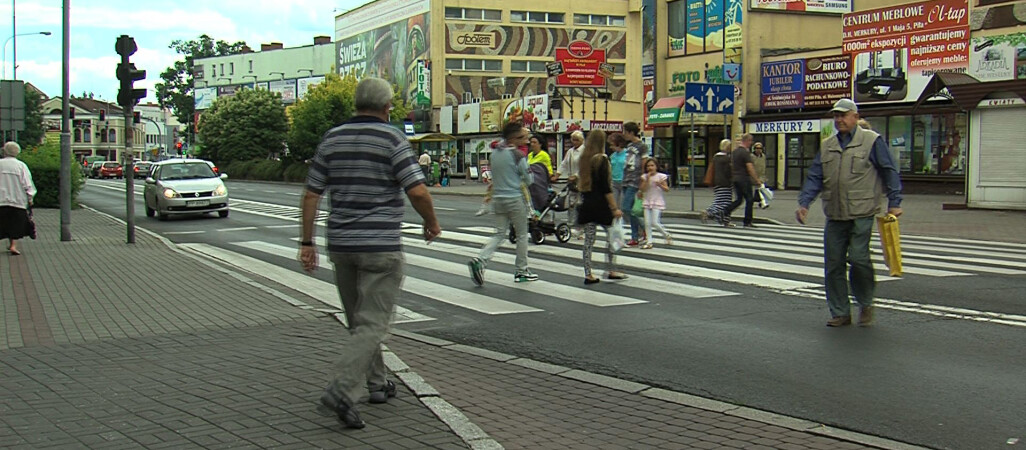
<point x="184" y="186"/>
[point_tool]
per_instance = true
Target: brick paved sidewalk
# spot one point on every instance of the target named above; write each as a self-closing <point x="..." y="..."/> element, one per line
<point x="110" y="345"/>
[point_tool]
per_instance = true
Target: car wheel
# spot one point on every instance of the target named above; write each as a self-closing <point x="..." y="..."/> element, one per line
<point x="222" y="214"/>
<point x="161" y="216"/>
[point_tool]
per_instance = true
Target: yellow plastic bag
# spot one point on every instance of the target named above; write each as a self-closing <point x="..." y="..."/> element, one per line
<point x="890" y="241"/>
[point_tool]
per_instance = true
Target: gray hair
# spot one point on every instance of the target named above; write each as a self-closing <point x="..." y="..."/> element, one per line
<point x="11" y="149"/>
<point x="578" y="134"/>
<point x="373" y="94"/>
<point x="725" y="145"/>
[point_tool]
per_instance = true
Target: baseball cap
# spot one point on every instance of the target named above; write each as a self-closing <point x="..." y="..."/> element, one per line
<point x="845" y="105"/>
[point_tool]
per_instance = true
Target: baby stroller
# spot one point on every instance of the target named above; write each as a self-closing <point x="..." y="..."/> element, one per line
<point x="547" y="203"/>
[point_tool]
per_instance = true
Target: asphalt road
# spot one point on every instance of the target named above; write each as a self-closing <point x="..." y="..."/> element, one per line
<point x="944" y="366"/>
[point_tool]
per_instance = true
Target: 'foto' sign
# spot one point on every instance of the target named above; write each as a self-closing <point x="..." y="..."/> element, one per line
<point x="581" y="65"/>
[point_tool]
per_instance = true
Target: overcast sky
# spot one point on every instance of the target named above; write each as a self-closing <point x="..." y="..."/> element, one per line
<point x="96" y="24"/>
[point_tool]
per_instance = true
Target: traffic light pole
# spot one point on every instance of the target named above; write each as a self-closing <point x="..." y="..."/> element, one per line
<point x="128" y="96"/>
<point x="129" y="168"/>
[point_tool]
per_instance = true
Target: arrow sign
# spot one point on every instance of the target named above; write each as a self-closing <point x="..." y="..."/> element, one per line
<point x="694" y="103"/>
<point x="709" y="98"/>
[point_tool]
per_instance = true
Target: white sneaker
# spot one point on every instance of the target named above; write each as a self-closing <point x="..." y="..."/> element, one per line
<point x="482" y="211"/>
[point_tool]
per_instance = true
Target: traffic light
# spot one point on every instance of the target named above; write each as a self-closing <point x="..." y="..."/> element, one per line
<point x="103" y="115"/>
<point x="128" y="96"/>
<point x="136" y="117"/>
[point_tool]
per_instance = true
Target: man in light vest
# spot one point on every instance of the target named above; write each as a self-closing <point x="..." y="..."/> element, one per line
<point x="853" y="171"/>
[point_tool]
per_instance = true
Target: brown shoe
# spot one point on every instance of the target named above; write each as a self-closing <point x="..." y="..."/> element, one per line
<point x="866" y="316"/>
<point x="839" y="321"/>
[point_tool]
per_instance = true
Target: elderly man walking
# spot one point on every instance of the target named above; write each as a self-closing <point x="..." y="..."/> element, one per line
<point x="853" y="171"/>
<point x="364" y="166"/>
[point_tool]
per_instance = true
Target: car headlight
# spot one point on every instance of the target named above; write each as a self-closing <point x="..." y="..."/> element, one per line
<point x="220" y="190"/>
<point x="171" y="193"/>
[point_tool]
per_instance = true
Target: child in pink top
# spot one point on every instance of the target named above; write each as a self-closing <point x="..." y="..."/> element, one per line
<point x="653" y="184"/>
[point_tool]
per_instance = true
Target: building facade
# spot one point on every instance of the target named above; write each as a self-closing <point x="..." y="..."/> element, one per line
<point x="469" y="66"/>
<point x="797" y="58"/>
<point x="97" y="129"/>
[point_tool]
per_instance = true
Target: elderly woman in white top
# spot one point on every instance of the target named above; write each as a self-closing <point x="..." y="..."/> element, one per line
<point x="16" y="192"/>
<point x="571" y="167"/>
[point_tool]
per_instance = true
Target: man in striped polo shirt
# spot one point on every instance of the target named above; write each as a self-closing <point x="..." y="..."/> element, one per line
<point x="364" y="165"/>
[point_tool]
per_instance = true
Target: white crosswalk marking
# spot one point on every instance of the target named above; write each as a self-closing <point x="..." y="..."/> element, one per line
<point x="662" y="267"/>
<point x="322" y="291"/>
<point x="785" y="259"/>
<point x="445" y="294"/>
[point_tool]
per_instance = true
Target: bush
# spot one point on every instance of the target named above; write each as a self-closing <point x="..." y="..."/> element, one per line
<point x="296" y="172"/>
<point x="45" y="164"/>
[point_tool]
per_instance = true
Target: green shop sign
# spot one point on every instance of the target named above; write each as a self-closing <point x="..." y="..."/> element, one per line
<point x="712" y="75"/>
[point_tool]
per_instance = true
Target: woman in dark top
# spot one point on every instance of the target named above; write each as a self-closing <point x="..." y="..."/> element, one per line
<point x="598" y="207"/>
<point x="722" y="187"/>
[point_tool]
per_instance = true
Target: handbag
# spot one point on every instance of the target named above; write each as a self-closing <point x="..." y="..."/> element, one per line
<point x="638" y="210"/>
<point x="31" y="225"/>
<point x="616" y="235"/>
<point x="890" y="241"/>
<point x="766" y="193"/>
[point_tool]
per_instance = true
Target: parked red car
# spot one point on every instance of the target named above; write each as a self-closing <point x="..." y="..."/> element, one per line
<point x="111" y="170"/>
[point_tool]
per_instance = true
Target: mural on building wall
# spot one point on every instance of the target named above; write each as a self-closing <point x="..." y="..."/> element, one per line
<point x="518" y="87"/>
<point x="390" y="52"/>
<point x="476" y="39"/>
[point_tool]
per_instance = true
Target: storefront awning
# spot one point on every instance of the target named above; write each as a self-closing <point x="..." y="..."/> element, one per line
<point x="665" y="112"/>
<point x="966" y="91"/>
<point x="431" y="137"/>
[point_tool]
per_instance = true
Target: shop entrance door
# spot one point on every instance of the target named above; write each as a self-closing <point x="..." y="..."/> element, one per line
<point x="801" y="149"/>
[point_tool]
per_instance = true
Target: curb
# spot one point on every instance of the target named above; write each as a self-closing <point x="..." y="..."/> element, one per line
<point x="679" y="398"/>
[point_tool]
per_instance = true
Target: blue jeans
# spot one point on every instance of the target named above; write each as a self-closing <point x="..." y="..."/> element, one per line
<point x="368" y="285"/>
<point x="630" y="195"/>
<point x="846" y="242"/>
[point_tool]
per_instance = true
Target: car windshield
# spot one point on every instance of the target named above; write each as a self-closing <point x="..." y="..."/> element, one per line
<point x="110" y="165"/>
<point x="186" y="171"/>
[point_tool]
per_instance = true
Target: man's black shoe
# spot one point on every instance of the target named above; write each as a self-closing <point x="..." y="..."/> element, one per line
<point x="342" y="410"/>
<point x="382" y="395"/>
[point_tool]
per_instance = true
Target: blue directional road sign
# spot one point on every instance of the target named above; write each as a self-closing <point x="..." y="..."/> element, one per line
<point x="709" y="98"/>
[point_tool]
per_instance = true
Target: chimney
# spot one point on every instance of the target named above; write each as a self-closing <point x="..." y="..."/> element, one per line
<point x="246" y="49"/>
<point x="271" y="46"/>
<point x="319" y="40"/>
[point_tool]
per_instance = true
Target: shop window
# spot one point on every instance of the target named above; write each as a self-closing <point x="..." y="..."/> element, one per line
<point x="938" y="144"/>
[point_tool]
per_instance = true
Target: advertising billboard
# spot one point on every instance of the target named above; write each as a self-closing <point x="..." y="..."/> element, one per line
<point x="783" y="84"/>
<point x="812" y="83"/>
<point x="809" y="6"/>
<point x="897" y="49"/>
<point x="304" y="84"/>
<point x="365" y="47"/>
<point x="287" y="89"/>
<point x="468" y="118"/>
<point x="998" y="58"/>
<point x="203" y="98"/>
<point x="581" y="64"/>
<point x="698" y="26"/>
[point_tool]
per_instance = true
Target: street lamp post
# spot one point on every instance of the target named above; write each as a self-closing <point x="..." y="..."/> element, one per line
<point x="15" y="54"/>
<point x="278" y="73"/>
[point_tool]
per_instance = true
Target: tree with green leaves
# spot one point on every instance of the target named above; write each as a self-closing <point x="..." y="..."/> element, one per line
<point x="175" y="91"/>
<point x="32" y="135"/>
<point x="325" y="106"/>
<point x="249" y="125"/>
